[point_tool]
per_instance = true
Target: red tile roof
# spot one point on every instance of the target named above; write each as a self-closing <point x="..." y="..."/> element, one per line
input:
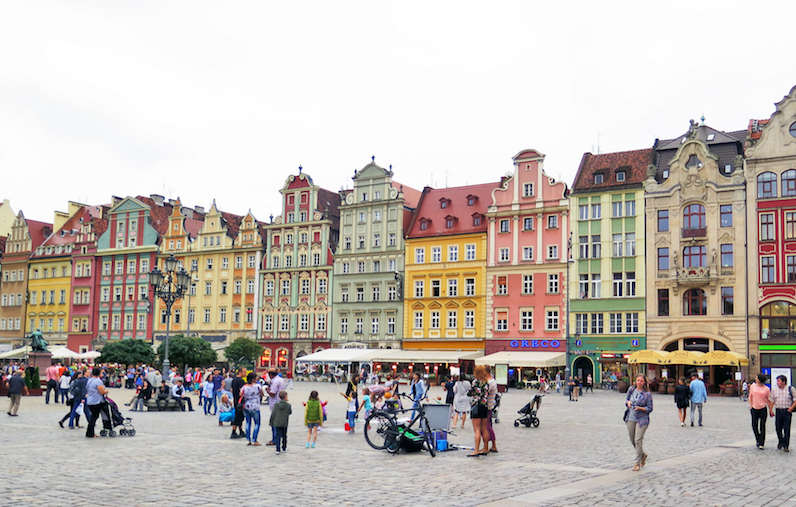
<point x="634" y="163"/>
<point x="431" y="211"/>
<point x="39" y="232"/>
<point x="411" y="195"/>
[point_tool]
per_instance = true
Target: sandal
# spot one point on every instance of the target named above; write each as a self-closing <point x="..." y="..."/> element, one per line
<point x="636" y="468"/>
<point x="474" y="455"/>
<point x="644" y="459"/>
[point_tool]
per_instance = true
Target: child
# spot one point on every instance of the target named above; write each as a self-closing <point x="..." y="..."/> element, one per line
<point x="279" y="417"/>
<point x="313" y="418"/>
<point x="367" y="403"/>
<point x="352" y="409"/>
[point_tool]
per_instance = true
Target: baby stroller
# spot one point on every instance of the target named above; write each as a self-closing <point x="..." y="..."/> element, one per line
<point x="495" y="416"/>
<point x="111" y="418"/>
<point x="528" y="413"/>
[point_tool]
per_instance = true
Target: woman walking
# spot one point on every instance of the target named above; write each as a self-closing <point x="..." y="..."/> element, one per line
<point x="479" y="393"/>
<point x="759" y="406"/>
<point x="461" y="401"/>
<point x="252" y="393"/>
<point x="681" y="396"/>
<point x="637" y="417"/>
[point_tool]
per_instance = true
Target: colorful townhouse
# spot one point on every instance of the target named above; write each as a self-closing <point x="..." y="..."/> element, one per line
<point x="607" y="284"/>
<point x="295" y="307"/>
<point x="445" y="286"/>
<point x="696" y="236"/>
<point x="528" y="229"/>
<point x="369" y="262"/>
<point x="126" y="252"/>
<point x="771" y="226"/>
<point x="26" y="236"/>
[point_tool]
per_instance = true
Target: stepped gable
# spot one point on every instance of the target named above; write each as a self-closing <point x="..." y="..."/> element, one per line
<point x="634" y="163"/>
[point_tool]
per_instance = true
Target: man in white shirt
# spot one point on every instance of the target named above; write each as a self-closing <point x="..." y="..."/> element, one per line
<point x="178" y="393"/>
<point x="277" y="384"/>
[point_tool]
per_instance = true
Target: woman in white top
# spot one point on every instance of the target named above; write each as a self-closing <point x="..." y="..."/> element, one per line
<point x="461" y="402"/>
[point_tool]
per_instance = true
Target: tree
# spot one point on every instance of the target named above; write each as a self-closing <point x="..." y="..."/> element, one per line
<point x="128" y="352"/>
<point x="243" y="350"/>
<point x="187" y="351"/>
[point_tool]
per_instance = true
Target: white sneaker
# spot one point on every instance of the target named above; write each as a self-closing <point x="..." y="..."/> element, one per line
<point x="682" y="424"/>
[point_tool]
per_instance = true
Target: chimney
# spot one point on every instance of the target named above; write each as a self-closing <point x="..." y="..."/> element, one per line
<point x="157" y="198"/>
<point x="199" y="209"/>
<point x="187" y="212"/>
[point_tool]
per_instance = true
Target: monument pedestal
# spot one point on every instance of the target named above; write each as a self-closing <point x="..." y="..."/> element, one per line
<point x="41" y="361"/>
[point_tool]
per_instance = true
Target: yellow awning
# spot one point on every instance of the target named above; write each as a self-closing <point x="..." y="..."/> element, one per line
<point x="646" y="357"/>
<point x="688" y="357"/>
<point x="723" y="358"/>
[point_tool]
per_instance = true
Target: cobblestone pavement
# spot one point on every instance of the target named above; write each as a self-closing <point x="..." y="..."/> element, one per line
<point x="579" y="455"/>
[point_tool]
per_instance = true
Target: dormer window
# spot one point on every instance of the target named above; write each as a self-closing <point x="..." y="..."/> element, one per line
<point x="477" y="219"/>
<point x="693" y="162"/>
<point x="424" y="224"/>
<point x="449" y="221"/>
<point x="599" y="178"/>
<point x="444" y="202"/>
<point x="620" y="176"/>
<point x="471" y="200"/>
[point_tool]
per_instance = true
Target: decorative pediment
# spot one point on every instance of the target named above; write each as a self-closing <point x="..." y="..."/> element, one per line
<point x="434" y="305"/>
<point x="469" y="304"/>
<point x="418" y="306"/>
<point x="727" y="237"/>
<point x="451" y="304"/>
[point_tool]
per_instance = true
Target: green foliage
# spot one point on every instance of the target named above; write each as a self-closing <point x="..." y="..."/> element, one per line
<point x="187" y="351"/>
<point x="128" y="352"/>
<point x="243" y="350"/>
<point x="32" y="378"/>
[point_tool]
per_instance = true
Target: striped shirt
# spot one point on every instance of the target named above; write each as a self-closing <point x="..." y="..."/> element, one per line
<point x="781" y="397"/>
<point x="493" y="389"/>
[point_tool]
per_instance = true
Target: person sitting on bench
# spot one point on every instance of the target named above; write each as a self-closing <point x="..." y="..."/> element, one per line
<point x="178" y="393"/>
<point x="163" y="395"/>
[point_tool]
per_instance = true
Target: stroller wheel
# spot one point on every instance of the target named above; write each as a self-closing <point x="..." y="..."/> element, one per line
<point x="536" y="423"/>
<point x="497" y="421"/>
<point x="123" y="432"/>
<point x="516" y="423"/>
<point x="111" y="433"/>
<point x="103" y="433"/>
<point x="130" y="433"/>
<point x="527" y="423"/>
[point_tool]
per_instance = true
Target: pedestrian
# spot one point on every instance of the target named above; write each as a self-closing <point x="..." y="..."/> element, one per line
<point x="63" y="385"/>
<point x="53" y="374"/>
<point x="783" y="403"/>
<point x="218" y="381"/>
<point x="492" y="386"/>
<point x="637" y="418"/>
<point x="759" y="400"/>
<point x="681" y="396"/>
<point x="745" y="390"/>
<point x="558" y="382"/>
<point x="313" y="418"/>
<point x="699" y="395"/>
<point x="448" y="387"/>
<point x="351" y="411"/>
<point x="571" y="387"/>
<point x="16" y="386"/>
<point x="279" y="420"/>
<point x="207" y="394"/>
<point x="461" y="400"/>
<point x="95" y="399"/>
<point x="367" y="403"/>
<point x="417" y="391"/>
<point x="589" y="383"/>
<point x="143" y="395"/>
<point x="78" y="390"/>
<point x="289" y="379"/>
<point x="351" y="390"/>
<point x="275" y="386"/>
<point x="576" y="388"/>
<point x="237" y="422"/>
<point x="252" y="393"/>
<point x="479" y="393"/>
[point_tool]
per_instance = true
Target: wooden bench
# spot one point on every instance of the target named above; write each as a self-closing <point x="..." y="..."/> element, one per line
<point x="171" y="404"/>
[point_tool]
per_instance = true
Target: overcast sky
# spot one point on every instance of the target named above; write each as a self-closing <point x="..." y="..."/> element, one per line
<point x="224" y="100"/>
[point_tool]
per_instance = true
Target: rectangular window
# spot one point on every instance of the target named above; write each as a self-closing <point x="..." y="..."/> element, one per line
<point x="597" y="323"/>
<point x="322" y="286"/>
<point x="596" y="247"/>
<point x="614" y="323"/>
<point x="527" y="190"/>
<point x="552" y="320"/>
<point x="343" y="325"/>
<point x="207" y="316"/>
<point x="469" y="319"/>
<point x="284" y="322"/>
<point x="526" y="320"/>
<point x="268" y="323"/>
<point x="790" y="225"/>
<point x="392" y="293"/>
<point x="552" y="221"/>
<point x="596" y="211"/>
<point x="222" y="315"/>
<point x="583" y="247"/>
<point x="223" y="287"/>
<point x="527" y="284"/>
<point x="552" y="252"/>
<point x="453" y="253"/>
<point x="119" y="267"/>
<point x="727" y="301"/>
<point x="767" y="270"/>
<point x="663" y="259"/>
<point x="141" y="322"/>
<point x="791" y="265"/>
<point x="346" y="268"/>
<point x="391" y="239"/>
<point x="503" y="255"/>
<point x="374" y="325"/>
<point x="419" y="288"/>
<point x="375" y="292"/>
<point x="618" y="285"/>
<point x="344" y="294"/>
<point x="726" y="215"/>
<point x="631" y="322"/>
<point x="502" y="285"/>
<point x="418" y="321"/>
<point x="630" y="244"/>
<point x="469" y="252"/>
<point x="453" y="319"/>
<point x="209" y="263"/>
<point x="663" y="220"/>
<point x="285" y="288"/>
<point x="527" y="253"/>
<point x="236" y="315"/>
<point x="320" y="322"/>
<point x="583" y="212"/>
<point x="420" y="255"/>
<point x="131" y="267"/>
<point x="360" y="294"/>
<point x="726" y="256"/>
<point x="469" y="286"/>
<point x="225" y="263"/>
<point x="390" y="325"/>
<point x="582" y="323"/>
<point x="289" y="261"/>
<point x="552" y="284"/>
<point x="527" y="224"/>
<point x="304" y="322"/>
<point x="305" y="286"/>
<point x="616" y="209"/>
<point x="767" y="227"/>
<point x="269" y="288"/>
<point x="275" y="262"/>
<point x="630" y="208"/>
<point x="583" y="286"/>
<point x="434" y="320"/>
<point x="302" y="260"/>
<point x="502" y="321"/>
<point x="617" y="245"/>
<point x="630" y="284"/>
<point x="436" y="254"/>
<point x="504" y="226"/>
<point x="238" y="286"/>
<point x="453" y="287"/>
<point x="663" y="302"/>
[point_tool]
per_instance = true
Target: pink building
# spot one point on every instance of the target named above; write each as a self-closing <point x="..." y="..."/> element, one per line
<point x="526" y="260"/>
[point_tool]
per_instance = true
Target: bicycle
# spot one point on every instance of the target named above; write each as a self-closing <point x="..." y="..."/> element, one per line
<point x="383" y="431"/>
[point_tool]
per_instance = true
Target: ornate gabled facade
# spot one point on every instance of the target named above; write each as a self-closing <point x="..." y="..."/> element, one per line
<point x="26" y="236"/>
<point x="526" y="260"/>
<point x="608" y="278"/>
<point x="771" y="226"/>
<point x="369" y="262"/>
<point x="295" y="307"/>
<point x="695" y="209"/>
<point x="445" y="272"/>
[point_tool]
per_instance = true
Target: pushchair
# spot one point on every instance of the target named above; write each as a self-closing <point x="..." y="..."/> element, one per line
<point x="528" y="413"/>
<point x="495" y="417"/>
<point x="112" y="418"/>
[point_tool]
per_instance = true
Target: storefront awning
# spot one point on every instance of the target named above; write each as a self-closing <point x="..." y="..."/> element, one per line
<point x="524" y="359"/>
<point x="423" y="356"/>
<point x="687" y="357"/>
<point x="339" y="356"/>
<point x="646" y="357"/>
<point x="723" y="358"/>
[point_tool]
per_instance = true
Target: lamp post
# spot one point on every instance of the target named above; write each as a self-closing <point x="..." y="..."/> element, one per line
<point x="190" y="289"/>
<point x="169" y="285"/>
<point x="566" y="331"/>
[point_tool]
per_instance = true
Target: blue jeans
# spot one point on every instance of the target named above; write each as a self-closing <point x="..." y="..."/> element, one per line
<point x="280" y="441"/>
<point x="206" y="404"/>
<point x="252" y="415"/>
<point x="352" y="416"/>
<point x="216" y="399"/>
<point x="74" y="415"/>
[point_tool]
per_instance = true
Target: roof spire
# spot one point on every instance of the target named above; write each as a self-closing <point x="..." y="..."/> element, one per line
<point x="373" y="158"/>
<point x="300" y="168"/>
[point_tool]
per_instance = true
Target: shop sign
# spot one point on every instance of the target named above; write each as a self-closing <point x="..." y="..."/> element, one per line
<point x="534" y="344"/>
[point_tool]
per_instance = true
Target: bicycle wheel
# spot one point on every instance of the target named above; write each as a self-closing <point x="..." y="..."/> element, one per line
<point x="428" y="437"/>
<point x="380" y="430"/>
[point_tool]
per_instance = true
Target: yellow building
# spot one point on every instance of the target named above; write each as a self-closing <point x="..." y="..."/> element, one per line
<point x="445" y="274"/>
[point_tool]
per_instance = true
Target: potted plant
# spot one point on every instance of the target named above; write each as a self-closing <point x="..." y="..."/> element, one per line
<point x="729" y="388"/>
<point x="33" y="382"/>
<point x="662" y="387"/>
<point x="623" y="384"/>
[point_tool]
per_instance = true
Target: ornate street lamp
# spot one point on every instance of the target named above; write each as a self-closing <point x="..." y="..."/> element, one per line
<point x="169" y="285"/>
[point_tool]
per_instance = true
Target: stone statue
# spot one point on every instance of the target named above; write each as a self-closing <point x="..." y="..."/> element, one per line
<point x="37" y="342"/>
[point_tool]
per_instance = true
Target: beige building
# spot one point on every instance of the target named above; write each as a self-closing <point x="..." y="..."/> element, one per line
<point x="695" y="218"/>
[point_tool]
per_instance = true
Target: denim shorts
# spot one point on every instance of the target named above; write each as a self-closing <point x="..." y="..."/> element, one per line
<point x="313" y="425"/>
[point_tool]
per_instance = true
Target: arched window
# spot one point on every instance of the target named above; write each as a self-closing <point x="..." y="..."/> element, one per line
<point x="693" y="221"/>
<point x="281" y="358"/>
<point x="789" y="183"/>
<point x="778" y="321"/>
<point x="695" y="257"/>
<point x="265" y="359"/>
<point x="767" y="185"/>
<point x="695" y="302"/>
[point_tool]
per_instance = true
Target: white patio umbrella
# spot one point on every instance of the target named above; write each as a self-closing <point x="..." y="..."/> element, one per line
<point x="91" y="354"/>
<point x="63" y="353"/>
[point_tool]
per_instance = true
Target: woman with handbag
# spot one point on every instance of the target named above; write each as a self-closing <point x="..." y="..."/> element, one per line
<point x="637" y="417"/>
<point x="479" y="394"/>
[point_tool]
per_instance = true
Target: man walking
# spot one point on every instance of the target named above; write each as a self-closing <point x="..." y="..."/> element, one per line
<point x="237" y="423"/>
<point x="783" y="398"/>
<point x="16" y="386"/>
<point x="53" y="374"/>
<point x="699" y="395"/>
<point x="490" y="406"/>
